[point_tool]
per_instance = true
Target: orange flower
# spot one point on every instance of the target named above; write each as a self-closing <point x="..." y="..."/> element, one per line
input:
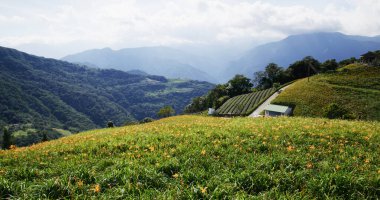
<point x="175" y="175"/>
<point x="312" y="147"/>
<point x="12" y="147"/>
<point x="337" y="167"/>
<point x="80" y="183"/>
<point x="203" y="190"/>
<point x="97" y="188"/>
<point x="366" y="160"/>
<point x="309" y="165"/>
<point x="290" y="148"/>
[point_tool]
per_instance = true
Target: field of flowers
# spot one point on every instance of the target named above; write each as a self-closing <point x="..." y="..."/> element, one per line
<point x="189" y="157"/>
<point x="355" y="87"/>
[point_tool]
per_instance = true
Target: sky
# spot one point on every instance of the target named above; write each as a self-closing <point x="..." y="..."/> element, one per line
<point x="56" y="28"/>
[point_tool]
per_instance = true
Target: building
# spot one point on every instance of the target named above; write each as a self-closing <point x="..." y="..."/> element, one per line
<point x="277" y="110"/>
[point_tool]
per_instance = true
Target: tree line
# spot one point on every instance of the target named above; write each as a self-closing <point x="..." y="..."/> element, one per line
<point x="273" y="76"/>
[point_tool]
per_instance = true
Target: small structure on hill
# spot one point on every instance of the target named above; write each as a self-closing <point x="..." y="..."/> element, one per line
<point x="277" y="110"/>
<point x="211" y="111"/>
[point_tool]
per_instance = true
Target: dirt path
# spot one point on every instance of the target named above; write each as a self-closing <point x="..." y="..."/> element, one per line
<point x="261" y="108"/>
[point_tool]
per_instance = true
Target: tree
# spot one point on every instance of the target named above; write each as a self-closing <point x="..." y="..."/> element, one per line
<point x="239" y="85"/>
<point x="334" y="111"/>
<point x="304" y="68"/>
<point x="212" y="97"/>
<point x="6" y="138"/>
<point x="329" y="65"/>
<point x="44" y="137"/>
<point x="166" y="111"/>
<point x="110" y="124"/>
<point x="146" y="120"/>
<point x="273" y="72"/>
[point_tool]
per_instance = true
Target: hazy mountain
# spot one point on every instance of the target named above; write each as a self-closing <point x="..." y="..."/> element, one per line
<point x="57" y="94"/>
<point x="163" y="61"/>
<point x="321" y="46"/>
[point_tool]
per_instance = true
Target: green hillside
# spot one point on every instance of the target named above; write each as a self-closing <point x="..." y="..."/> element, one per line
<point x="244" y="104"/>
<point x="355" y="87"/>
<point x="189" y="157"/>
<point x="54" y="94"/>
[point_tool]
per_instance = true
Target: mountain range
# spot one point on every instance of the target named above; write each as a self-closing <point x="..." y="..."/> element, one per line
<point x="322" y="46"/>
<point x="196" y="64"/>
<point x="163" y="61"/>
<point x="56" y="94"/>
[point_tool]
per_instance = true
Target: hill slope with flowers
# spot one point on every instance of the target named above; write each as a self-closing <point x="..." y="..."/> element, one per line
<point x="188" y="157"/>
<point x="355" y="87"/>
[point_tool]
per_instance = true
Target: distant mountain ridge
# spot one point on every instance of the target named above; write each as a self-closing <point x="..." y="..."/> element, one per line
<point x="58" y="94"/>
<point x="322" y="46"/>
<point x="163" y="61"/>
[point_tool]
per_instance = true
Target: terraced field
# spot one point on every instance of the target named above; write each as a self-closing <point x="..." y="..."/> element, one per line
<point x="244" y="104"/>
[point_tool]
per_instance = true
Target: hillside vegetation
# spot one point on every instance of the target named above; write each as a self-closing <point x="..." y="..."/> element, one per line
<point x="190" y="157"/>
<point x="54" y="94"/>
<point x="355" y="87"/>
<point x="244" y="104"/>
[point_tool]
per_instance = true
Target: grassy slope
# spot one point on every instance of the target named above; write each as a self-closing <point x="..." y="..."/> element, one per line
<point x="355" y="87"/>
<point x="194" y="157"/>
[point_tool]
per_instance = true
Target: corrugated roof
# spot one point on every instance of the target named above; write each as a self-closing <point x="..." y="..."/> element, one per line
<point x="276" y="108"/>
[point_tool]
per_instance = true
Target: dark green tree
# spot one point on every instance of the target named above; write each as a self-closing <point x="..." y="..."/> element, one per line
<point x="110" y="124"/>
<point x="44" y="137"/>
<point x="6" y="138"/>
<point x="329" y="65"/>
<point x="239" y="85"/>
<point x="166" y="111"/>
<point x="273" y="72"/>
<point x="304" y="68"/>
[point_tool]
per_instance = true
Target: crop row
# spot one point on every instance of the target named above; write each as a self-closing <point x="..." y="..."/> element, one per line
<point x="244" y="104"/>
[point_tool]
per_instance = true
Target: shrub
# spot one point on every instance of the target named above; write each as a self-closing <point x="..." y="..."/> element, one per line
<point x="110" y="124"/>
<point x="334" y="111"/>
<point x="166" y="111"/>
<point x="146" y="120"/>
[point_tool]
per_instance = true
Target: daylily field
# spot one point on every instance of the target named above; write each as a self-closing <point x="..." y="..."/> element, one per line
<point x="189" y="157"/>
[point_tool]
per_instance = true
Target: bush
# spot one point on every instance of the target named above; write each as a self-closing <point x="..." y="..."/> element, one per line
<point x="334" y="111"/>
<point x="110" y="124"/>
<point x="221" y="101"/>
<point x="166" y="111"/>
<point x="146" y="120"/>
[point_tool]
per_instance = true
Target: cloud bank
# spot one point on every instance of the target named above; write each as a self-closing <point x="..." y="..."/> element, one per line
<point x="77" y="25"/>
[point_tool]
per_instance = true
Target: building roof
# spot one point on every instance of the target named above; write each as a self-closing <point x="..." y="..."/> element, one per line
<point x="276" y="108"/>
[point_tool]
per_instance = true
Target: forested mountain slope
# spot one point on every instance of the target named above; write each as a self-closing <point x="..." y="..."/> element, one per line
<point x="52" y="93"/>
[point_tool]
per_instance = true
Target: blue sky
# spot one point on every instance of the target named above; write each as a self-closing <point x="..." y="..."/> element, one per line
<point x="59" y="27"/>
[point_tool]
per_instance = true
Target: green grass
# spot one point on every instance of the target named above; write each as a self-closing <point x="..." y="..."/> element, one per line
<point x="245" y="104"/>
<point x="190" y="157"/>
<point x="354" y="87"/>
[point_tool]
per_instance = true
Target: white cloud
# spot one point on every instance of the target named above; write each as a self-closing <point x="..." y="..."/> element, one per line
<point x="127" y="23"/>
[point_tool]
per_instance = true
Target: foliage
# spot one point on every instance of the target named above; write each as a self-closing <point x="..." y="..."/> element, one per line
<point x="329" y="65"/>
<point x="146" y="120"/>
<point x="192" y="157"/>
<point x="239" y="85"/>
<point x="348" y="61"/>
<point x="372" y="58"/>
<point x="166" y="111"/>
<point x="355" y="87"/>
<point x="6" y="138"/>
<point x="54" y="94"/>
<point x="304" y="68"/>
<point x="219" y="94"/>
<point x="244" y="104"/>
<point x="110" y="124"/>
<point x="334" y="111"/>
